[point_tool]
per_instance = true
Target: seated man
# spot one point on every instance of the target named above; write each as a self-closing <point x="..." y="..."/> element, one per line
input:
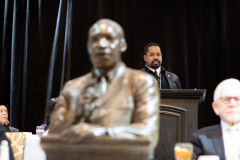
<point x="4" y="118"/>
<point x="153" y="57"/>
<point x="222" y="139"/>
<point x="112" y="99"/>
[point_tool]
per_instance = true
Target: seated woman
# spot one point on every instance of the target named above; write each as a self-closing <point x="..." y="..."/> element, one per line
<point x="4" y="118"/>
<point x="49" y="108"/>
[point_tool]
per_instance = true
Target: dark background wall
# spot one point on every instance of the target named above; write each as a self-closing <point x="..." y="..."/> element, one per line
<point x="199" y="41"/>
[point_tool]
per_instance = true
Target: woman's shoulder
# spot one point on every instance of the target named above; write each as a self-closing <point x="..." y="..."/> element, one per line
<point x="12" y="129"/>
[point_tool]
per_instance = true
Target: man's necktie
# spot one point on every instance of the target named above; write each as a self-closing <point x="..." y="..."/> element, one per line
<point x="233" y="152"/>
<point x="156" y="75"/>
<point x="158" y="79"/>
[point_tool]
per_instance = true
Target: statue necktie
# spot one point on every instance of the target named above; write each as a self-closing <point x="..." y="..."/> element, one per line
<point x="103" y="85"/>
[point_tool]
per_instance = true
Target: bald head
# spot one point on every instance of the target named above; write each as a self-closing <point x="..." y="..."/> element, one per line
<point x="108" y="26"/>
<point x="105" y="43"/>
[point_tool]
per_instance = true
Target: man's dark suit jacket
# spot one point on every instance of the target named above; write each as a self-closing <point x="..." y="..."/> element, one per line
<point x="172" y="78"/>
<point x="208" y="141"/>
<point x="4" y="137"/>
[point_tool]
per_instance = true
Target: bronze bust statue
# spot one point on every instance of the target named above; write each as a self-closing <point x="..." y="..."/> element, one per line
<point x="112" y="99"/>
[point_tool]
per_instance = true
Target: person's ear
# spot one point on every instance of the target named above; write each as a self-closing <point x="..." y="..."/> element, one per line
<point x="123" y="45"/>
<point x="145" y="57"/>
<point x="215" y="108"/>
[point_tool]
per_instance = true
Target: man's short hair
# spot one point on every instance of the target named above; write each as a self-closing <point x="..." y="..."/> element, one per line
<point x="231" y="82"/>
<point x="149" y="45"/>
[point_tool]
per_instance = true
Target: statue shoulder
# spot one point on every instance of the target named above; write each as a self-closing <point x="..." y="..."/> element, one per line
<point x="141" y="76"/>
<point x="77" y="82"/>
<point x="142" y="83"/>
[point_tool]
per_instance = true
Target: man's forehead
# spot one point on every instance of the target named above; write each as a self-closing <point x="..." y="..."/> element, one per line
<point x="154" y="49"/>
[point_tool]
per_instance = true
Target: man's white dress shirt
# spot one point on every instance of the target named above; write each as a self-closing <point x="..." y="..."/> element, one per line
<point x="231" y="140"/>
<point x="158" y="70"/>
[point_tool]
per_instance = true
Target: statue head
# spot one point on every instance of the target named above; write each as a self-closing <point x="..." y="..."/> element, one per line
<point x="105" y="44"/>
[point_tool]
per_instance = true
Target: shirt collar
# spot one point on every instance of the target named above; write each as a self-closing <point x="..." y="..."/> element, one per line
<point x="110" y="73"/>
<point x="158" y="70"/>
<point x="225" y="126"/>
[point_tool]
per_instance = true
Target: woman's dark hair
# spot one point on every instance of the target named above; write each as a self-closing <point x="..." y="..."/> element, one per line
<point x="49" y="109"/>
<point x="2" y="102"/>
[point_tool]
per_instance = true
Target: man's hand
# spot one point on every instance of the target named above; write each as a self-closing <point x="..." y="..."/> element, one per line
<point x="76" y="133"/>
<point x="60" y="120"/>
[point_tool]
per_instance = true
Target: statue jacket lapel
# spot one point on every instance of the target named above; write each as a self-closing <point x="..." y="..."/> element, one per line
<point x="113" y="89"/>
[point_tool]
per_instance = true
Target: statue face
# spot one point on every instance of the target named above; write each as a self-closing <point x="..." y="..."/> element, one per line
<point x="105" y="44"/>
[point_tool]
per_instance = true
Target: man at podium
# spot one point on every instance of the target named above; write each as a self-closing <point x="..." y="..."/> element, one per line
<point x="153" y="57"/>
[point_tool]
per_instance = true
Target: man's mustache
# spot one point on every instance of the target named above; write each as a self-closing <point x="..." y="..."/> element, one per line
<point x="156" y="61"/>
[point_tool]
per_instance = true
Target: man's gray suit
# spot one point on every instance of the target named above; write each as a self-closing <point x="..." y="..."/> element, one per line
<point x="208" y="141"/>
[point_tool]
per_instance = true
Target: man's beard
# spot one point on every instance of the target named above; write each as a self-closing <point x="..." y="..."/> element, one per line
<point x="155" y="66"/>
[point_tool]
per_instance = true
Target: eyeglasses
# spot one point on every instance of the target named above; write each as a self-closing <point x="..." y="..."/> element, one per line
<point x="226" y="100"/>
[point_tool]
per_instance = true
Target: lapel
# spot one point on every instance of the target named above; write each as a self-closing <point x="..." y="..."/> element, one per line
<point x="113" y="88"/>
<point x="169" y="78"/>
<point x="217" y="139"/>
<point x="148" y="70"/>
<point x="151" y="72"/>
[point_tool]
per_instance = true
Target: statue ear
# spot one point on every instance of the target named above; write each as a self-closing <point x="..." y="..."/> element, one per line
<point x="123" y="45"/>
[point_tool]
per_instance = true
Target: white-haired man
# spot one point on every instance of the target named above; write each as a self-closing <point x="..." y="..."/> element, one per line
<point x="222" y="139"/>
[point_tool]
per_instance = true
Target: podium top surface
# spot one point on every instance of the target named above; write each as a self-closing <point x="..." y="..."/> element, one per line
<point x="183" y="94"/>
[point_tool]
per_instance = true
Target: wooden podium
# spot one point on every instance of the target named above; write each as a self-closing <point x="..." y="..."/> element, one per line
<point x="179" y="118"/>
